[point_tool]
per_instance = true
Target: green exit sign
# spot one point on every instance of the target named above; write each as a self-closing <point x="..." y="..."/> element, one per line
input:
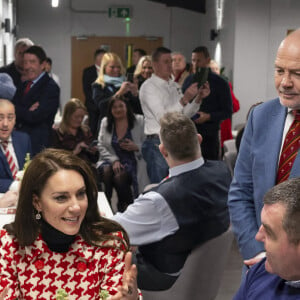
<point x="119" y="12"/>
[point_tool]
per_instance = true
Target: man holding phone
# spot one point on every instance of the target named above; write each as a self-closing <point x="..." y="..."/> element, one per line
<point x="214" y="108"/>
<point x="158" y="95"/>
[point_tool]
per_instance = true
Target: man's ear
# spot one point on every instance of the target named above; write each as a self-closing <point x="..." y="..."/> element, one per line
<point x="208" y="61"/>
<point x="36" y="203"/>
<point x="43" y="64"/>
<point x="163" y="150"/>
<point x="200" y="139"/>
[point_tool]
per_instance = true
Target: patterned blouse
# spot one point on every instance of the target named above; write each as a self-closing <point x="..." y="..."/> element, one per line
<point x="69" y="142"/>
<point x="35" y="272"/>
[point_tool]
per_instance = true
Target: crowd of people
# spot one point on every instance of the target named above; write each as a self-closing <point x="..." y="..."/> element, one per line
<point x="152" y="123"/>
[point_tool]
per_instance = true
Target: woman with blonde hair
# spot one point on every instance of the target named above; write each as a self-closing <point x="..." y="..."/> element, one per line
<point x="112" y="82"/>
<point x="143" y="70"/>
<point x="73" y="135"/>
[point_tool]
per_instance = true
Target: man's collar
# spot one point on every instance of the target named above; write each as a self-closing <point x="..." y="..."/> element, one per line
<point x="186" y="167"/>
<point x="161" y="80"/>
<point x="295" y="283"/>
<point x="38" y="78"/>
<point x="9" y="139"/>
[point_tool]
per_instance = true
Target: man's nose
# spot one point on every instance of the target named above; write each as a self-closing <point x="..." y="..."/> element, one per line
<point x="286" y="80"/>
<point x="259" y="235"/>
<point x="5" y="121"/>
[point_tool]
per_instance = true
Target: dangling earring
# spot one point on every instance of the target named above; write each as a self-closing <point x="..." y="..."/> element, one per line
<point x="38" y="216"/>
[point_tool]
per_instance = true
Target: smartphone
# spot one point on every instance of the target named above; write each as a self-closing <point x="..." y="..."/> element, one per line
<point x="129" y="77"/>
<point x="200" y="76"/>
<point x="93" y="144"/>
<point x="195" y="117"/>
<point x="120" y="141"/>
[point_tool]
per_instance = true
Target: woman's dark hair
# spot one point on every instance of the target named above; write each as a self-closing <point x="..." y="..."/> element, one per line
<point x="93" y="229"/>
<point x="110" y="118"/>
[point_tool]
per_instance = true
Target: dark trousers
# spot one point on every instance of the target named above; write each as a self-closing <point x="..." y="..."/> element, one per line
<point x="210" y="146"/>
<point x="149" y="278"/>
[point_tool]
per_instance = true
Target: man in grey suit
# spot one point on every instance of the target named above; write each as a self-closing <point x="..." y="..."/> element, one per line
<point x="256" y="169"/>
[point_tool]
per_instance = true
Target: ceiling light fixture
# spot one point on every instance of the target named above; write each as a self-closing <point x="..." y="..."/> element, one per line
<point x="55" y="3"/>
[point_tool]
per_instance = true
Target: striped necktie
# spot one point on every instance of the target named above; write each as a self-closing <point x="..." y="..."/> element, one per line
<point x="290" y="149"/>
<point x="10" y="159"/>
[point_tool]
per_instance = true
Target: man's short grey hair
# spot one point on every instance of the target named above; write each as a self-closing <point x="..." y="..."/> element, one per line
<point x="23" y="42"/>
<point x="287" y="193"/>
<point x="178" y="53"/>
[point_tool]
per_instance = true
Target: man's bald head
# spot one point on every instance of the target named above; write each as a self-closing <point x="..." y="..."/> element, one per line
<point x="287" y="71"/>
<point x="292" y="39"/>
<point x="7" y="119"/>
<point x="5" y="102"/>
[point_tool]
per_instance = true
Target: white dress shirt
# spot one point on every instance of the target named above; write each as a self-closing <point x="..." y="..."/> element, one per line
<point x="11" y="150"/>
<point x="159" y="96"/>
<point x="15" y="184"/>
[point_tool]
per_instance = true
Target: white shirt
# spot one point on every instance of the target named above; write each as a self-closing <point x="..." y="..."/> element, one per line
<point x="37" y="79"/>
<point x="12" y="151"/>
<point x="288" y="122"/>
<point x="15" y="184"/>
<point x="159" y="96"/>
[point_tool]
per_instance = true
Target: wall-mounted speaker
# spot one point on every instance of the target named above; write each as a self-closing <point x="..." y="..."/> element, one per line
<point x="6" y="25"/>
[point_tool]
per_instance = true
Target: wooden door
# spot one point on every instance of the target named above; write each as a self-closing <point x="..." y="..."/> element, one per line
<point x="83" y="50"/>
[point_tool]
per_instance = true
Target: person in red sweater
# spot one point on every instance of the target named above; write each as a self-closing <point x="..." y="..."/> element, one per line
<point x="226" y="130"/>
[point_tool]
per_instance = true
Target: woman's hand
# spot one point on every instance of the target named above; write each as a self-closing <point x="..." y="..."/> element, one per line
<point x="128" y="145"/>
<point x="117" y="167"/>
<point x="125" y="88"/>
<point x="10" y="198"/>
<point x="134" y="88"/>
<point x="79" y="147"/>
<point x="92" y="150"/>
<point x="128" y="291"/>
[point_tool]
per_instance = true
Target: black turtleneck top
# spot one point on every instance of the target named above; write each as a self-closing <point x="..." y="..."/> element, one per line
<point x="56" y="240"/>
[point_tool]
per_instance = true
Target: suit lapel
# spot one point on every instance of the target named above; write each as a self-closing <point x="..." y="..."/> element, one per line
<point x="18" y="150"/>
<point x="5" y="163"/>
<point x="28" y="99"/>
<point x="274" y="138"/>
<point x="295" y="172"/>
